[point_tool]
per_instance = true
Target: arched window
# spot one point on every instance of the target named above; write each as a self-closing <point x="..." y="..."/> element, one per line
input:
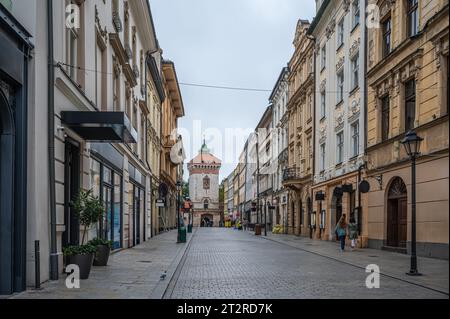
<point x="205" y="204"/>
<point x="206" y="182"/>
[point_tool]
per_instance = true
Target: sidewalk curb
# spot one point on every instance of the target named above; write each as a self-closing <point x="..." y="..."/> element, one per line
<point x="439" y="290"/>
<point x="161" y="288"/>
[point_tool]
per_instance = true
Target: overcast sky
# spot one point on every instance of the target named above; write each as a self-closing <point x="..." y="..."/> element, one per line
<point x="232" y="43"/>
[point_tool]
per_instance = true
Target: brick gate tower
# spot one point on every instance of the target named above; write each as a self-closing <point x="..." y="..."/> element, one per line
<point x="204" y="187"/>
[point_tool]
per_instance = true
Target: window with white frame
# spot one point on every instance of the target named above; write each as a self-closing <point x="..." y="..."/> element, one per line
<point x="356" y="13"/>
<point x="355" y="138"/>
<point x="413" y="17"/>
<point x="340" y="33"/>
<point x="340" y="86"/>
<point x="322" y="157"/>
<point x="339" y="147"/>
<point x="355" y="71"/>
<point x="323" y="57"/>
<point x="72" y="39"/>
<point x="322" y="104"/>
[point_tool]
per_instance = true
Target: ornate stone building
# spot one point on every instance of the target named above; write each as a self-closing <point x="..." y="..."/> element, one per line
<point x="279" y="99"/>
<point x="172" y="110"/>
<point x="339" y="125"/>
<point x="408" y="60"/>
<point x="298" y="176"/>
<point x="204" y="187"/>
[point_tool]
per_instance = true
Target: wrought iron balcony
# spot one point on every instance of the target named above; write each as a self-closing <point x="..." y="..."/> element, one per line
<point x="291" y="173"/>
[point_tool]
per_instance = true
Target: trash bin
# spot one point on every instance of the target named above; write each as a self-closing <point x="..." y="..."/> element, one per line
<point x="258" y="229"/>
<point x="189" y="229"/>
<point x="182" y="234"/>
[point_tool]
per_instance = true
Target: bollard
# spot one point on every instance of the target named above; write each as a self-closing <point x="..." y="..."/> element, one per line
<point x="37" y="265"/>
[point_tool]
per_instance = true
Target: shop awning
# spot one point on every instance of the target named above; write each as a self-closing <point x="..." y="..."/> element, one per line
<point x="106" y="127"/>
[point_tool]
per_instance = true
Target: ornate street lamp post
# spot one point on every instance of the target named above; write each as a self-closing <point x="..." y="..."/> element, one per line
<point x="411" y="142"/>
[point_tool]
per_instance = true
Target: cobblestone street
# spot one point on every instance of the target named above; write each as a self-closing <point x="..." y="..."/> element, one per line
<point x="226" y="263"/>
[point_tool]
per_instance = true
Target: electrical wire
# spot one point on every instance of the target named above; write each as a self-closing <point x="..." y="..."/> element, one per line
<point x="237" y="88"/>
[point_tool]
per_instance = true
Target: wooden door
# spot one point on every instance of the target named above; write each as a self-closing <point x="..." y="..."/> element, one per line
<point x="393" y="225"/>
<point x="402" y="222"/>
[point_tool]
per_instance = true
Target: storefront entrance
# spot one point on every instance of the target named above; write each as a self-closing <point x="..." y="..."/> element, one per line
<point x="336" y="210"/>
<point x="106" y="183"/>
<point x="397" y="214"/>
<point x="137" y="213"/>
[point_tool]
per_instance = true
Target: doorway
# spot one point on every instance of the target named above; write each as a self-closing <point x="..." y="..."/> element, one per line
<point x="206" y="221"/>
<point x="397" y="214"/>
<point x="71" y="235"/>
<point x="137" y="213"/>
<point x="336" y="211"/>
<point x="7" y="242"/>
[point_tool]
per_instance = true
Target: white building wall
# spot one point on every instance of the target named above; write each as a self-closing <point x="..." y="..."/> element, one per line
<point x="338" y="118"/>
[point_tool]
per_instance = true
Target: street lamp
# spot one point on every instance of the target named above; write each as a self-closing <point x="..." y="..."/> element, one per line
<point x="411" y="142"/>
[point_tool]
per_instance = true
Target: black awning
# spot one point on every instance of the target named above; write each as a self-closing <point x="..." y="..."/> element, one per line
<point x="107" y="127"/>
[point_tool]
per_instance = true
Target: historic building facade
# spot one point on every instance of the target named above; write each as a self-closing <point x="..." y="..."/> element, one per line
<point x="279" y="98"/>
<point x="172" y="110"/>
<point x="339" y="122"/>
<point x="241" y="182"/>
<point x="90" y="124"/>
<point x="298" y="176"/>
<point x="204" y="188"/>
<point x="267" y="166"/>
<point x="408" y="61"/>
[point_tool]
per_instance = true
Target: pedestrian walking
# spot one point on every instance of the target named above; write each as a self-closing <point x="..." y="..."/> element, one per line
<point x="341" y="231"/>
<point x="244" y="224"/>
<point x="353" y="232"/>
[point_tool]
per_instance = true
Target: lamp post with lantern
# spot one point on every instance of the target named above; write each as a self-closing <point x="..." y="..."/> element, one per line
<point x="411" y="142"/>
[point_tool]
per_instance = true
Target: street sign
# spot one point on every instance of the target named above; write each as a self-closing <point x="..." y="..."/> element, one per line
<point x="364" y="186"/>
<point x="160" y="203"/>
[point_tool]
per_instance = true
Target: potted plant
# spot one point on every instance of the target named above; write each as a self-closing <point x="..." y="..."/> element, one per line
<point x="89" y="209"/>
<point x="103" y="248"/>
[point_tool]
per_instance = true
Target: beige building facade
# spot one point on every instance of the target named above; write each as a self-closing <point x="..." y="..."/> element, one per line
<point x="172" y="110"/>
<point x="339" y="121"/>
<point x="408" y="60"/>
<point x="297" y="178"/>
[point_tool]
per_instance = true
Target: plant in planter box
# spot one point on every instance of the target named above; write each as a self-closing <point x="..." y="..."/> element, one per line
<point x="90" y="210"/>
<point x="103" y="249"/>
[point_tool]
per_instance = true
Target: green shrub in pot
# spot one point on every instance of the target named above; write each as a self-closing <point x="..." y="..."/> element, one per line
<point x="102" y="252"/>
<point x="89" y="209"/>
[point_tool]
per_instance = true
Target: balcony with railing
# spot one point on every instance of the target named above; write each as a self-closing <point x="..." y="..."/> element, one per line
<point x="291" y="173"/>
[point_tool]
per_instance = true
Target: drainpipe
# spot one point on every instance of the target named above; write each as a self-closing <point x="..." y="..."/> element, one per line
<point x="51" y="143"/>
<point x="313" y="168"/>
<point x="364" y="165"/>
